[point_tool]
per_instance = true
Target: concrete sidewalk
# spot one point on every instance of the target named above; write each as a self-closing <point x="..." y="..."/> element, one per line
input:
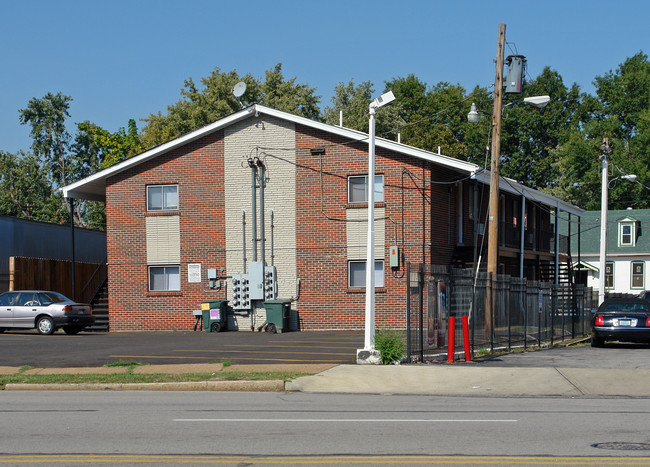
<point x="436" y="379"/>
<point x="474" y="380"/>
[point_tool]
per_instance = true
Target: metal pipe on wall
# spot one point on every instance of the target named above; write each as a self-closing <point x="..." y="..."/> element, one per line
<point x="254" y="208"/>
<point x="243" y="236"/>
<point x="262" y="234"/>
<point x="272" y="248"/>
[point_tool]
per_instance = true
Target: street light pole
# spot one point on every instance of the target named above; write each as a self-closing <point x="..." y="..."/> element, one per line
<point x="493" y="226"/>
<point x="369" y="354"/>
<point x="605" y="152"/>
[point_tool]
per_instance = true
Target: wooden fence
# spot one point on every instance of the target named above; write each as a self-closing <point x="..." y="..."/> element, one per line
<point x="50" y="274"/>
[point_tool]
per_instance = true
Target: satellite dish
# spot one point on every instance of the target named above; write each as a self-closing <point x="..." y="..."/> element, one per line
<point x="238" y="91"/>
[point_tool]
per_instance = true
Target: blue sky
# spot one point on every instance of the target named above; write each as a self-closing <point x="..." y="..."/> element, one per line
<point x="126" y="59"/>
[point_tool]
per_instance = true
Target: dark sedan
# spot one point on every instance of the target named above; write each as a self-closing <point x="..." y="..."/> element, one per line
<point x="621" y="319"/>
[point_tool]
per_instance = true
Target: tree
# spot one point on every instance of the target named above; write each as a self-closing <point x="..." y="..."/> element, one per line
<point x="50" y="138"/>
<point x="26" y="191"/>
<point x="106" y="147"/>
<point x="530" y="135"/>
<point x="620" y="112"/>
<point x="200" y="107"/>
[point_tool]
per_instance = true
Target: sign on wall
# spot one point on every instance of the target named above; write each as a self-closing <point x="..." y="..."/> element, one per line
<point x="194" y="272"/>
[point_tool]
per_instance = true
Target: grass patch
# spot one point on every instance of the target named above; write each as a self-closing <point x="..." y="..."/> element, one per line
<point x="123" y="364"/>
<point x="149" y="378"/>
<point x="226" y="363"/>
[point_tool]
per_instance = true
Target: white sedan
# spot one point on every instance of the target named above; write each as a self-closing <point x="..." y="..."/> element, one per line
<point x="43" y="310"/>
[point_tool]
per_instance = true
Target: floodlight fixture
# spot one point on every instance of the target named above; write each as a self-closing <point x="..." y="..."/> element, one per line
<point x="383" y="100"/>
<point x="537" y="101"/>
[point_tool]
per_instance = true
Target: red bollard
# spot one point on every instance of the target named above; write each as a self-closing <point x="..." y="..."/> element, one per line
<point x="468" y="354"/>
<point x="451" y="330"/>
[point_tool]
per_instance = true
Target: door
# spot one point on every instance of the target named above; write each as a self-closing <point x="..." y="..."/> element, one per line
<point x="25" y="310"/>
<point x="7" y="301"/>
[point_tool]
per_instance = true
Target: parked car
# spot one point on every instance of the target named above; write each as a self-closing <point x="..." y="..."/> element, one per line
<point x="43" y="310"/>
<point x="621" y="319"/>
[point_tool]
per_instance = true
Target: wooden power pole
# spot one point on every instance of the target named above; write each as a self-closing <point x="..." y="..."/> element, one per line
<point x="493" y="225"/>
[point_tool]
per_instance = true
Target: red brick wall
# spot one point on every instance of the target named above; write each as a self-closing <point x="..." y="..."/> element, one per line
<point x="417" y="210"/>
<point x="326" y="301"/>
<point x="198" y="170"/>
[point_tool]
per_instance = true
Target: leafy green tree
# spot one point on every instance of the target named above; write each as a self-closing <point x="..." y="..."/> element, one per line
<point x="51" y="141"/>
<point x="530" y="135"/>
<point x="620" y="112"/>
<point x="201" y="106"/>
<point x="106" y="147"/>
<point x="26" y="191"/>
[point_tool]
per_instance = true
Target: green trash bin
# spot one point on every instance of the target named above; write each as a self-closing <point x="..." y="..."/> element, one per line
<point x="278" y="313"/>
<point x="215" y="315"/>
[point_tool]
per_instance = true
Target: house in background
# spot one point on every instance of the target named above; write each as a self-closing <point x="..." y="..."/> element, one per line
<point x="264" y="204"/>
<point x="33" y="239"/>
<point x="628" y="251"/>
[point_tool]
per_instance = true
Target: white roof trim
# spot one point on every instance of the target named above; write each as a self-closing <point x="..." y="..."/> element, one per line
<point x="90" y="187"/>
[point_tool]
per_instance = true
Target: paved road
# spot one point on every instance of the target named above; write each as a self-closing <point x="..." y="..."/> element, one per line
<point x="97" y="349"/>
<point x="295" y="428"/>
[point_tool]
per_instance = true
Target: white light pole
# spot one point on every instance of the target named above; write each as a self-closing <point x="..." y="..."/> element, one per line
<point x="369" y="338"/>
<point x="605" y="152"/>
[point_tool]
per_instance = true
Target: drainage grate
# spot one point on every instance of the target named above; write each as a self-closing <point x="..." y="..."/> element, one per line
<point x="622" y="446"/>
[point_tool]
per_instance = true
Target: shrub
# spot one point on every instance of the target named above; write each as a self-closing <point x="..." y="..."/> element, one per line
<point x="391" y="344"/>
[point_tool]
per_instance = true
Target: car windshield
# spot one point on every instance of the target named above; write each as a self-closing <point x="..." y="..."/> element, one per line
<point x="47" y="298"/>
<point x="626" y="307"/>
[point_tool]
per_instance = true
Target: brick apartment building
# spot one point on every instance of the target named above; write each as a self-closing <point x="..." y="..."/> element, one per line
<point x="180" y="221"/>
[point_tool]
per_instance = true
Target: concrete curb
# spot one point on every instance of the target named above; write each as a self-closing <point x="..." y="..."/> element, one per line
<point x="249" y="386"/>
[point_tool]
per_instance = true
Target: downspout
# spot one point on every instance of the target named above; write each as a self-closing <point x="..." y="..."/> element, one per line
<point x="254" y="208"/>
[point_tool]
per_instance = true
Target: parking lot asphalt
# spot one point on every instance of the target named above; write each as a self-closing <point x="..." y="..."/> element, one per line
<point x="89" y="349"/>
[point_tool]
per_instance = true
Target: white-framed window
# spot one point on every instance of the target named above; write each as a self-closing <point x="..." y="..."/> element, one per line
<point x="626" y="234"/>
<point x="609" y="275"/>
<point x="162" y="198"/>
<point x="357" y="274"/>
<point x="358" y="189"/>
<point x="164" y="278"/>
<point x="638" y="275"/>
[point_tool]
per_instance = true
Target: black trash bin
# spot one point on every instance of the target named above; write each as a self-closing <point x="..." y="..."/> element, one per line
<point x="278" y="313"/>
<point x="215" y="315"/>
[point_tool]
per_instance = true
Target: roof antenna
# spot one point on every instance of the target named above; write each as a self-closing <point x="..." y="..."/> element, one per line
<point x="238" y="91"/>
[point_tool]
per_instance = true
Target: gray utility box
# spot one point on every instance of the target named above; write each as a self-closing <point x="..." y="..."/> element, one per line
<point x="215" y="315"/>
<point x="278" y="313"/>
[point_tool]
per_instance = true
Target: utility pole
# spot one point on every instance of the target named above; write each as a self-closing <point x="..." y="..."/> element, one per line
<point x="493" y="226"/>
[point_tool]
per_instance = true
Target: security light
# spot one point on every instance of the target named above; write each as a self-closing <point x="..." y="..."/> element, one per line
<point x="537" y="101"/>
<point x="383" y="100"/>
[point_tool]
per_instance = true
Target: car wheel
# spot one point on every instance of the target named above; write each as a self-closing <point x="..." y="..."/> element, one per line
<point x="215" y="327"/>
<point x="45" y="325"/>
<point x="72" y="330"/>
<point x="597" y="341"/>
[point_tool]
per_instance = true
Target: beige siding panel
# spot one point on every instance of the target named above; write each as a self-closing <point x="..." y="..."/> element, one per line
<point x="274" y="142"/>
<point x="163" y="240"/>
<point x="357" y="233"/>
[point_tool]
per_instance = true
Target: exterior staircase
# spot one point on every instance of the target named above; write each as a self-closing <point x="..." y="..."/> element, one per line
<point x="100" y="309"/>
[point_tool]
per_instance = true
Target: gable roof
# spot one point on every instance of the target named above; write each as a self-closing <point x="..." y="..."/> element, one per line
<point x="590" y="232"/>
<point x="93" y="187"/>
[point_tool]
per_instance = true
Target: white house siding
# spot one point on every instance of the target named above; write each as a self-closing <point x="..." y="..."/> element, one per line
<point x="622" y="273"/>
<point x="274" y="142"/>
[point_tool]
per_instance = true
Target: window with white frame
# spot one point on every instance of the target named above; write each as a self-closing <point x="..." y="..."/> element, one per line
<point x="164" y="278"/>
<point x="162" y="198"/>
<point x="357" y="274"/>
<point x="609" y="276"/>
<point x="638" y="268"/>
<point x="358" y="189"/>
<point x="626" y="234"/>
